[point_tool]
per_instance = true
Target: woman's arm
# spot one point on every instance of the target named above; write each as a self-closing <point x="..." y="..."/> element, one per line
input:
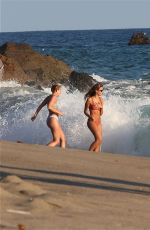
<point x="101" y="110"/>
<point x="44" y="102"/>
<point x="51" y="106"/>
<point x="86" y="109"/>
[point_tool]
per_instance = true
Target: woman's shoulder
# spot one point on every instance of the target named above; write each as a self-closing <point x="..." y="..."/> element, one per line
<point x="89" y="100"/>
<point x="52" y="98"/>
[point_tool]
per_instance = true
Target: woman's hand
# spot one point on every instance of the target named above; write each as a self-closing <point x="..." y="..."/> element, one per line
<point x="61" y="114"/>
<point x="91" y="118"/>
<point x="33" y="117"/>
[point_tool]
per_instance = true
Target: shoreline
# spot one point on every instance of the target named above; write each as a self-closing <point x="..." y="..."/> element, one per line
<point x="68" y="148"/>
<point x="52" y="188"/>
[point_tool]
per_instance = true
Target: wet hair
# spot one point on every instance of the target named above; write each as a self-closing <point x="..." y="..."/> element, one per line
<point x="55" y="87"/>
<point x="92" y="91"/>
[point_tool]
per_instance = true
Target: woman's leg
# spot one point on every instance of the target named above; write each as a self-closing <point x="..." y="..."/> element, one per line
<point x="62" y="138"/>
<point x="55" y="140"/>
<point x="55" y="129"/>
<point x="96" y="131"/>
<point x="98" y="147"/>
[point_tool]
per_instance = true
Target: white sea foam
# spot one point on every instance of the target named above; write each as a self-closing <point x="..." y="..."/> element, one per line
<point x="19" y="92"/>
<point x="125" y="128"/>
<point x="131" y="87"/>
<point x="98" y="78"/>
<point x="47" y="90"/>
<point x="147" y="87"/>
<point x="122" y="123"/>
<point x="9" y="84"/>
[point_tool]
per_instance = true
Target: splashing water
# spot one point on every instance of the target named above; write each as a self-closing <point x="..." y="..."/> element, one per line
<point x="126" y="123"/>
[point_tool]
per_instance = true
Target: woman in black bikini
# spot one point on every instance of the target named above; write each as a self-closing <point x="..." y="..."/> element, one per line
<point x="94" y="110"/>
<point x="52" y="120"/>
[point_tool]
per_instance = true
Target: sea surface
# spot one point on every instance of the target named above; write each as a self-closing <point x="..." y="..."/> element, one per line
<point x="106" y="56"/>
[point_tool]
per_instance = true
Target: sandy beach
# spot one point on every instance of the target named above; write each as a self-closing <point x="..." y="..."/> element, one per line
<point x="46" y="188"/>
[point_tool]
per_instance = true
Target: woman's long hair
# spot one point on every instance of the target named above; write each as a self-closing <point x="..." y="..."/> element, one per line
<point x="92" y="91"/>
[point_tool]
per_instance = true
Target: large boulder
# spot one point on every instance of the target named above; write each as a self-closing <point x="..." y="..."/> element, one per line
<point x="81" y="81"/>
<point x="12" y="70"/>
<point x="23" y="64"/>
<point x="139" y="38"/>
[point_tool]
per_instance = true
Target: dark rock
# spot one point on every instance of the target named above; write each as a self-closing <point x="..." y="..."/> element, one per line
<point x="39" y="87"/>
<point x="33" y="84"/>
<point x="23" y="64"/>
<point x="81" y="81"/>
<point x="139" y="38"/>
<point x="30" y="83"/>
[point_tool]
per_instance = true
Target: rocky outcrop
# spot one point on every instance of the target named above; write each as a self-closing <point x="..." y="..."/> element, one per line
<point x="12" y="70"/>
<point x="139" y="39"/>
<point x="81" y="81"/>
<point x="23" y="64"/>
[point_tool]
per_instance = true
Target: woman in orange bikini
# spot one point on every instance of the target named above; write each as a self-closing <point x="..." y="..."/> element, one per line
<point x="94" y="110"/>
<point x="53" y="117"/>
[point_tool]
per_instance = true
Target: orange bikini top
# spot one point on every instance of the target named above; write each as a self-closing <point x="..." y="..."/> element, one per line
<point x="95" y="105"/>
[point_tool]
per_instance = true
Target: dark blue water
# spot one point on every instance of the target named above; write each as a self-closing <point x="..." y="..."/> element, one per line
<point x="103" y="52"/>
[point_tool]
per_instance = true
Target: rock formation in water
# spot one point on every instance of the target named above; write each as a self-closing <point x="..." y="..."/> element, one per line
<point x="139" y="38"/>
<point x="23" y="64"/>
<point x="81" y="81"/>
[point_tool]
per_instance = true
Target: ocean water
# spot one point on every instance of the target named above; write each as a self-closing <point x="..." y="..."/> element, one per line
<point x="106" y="56"/>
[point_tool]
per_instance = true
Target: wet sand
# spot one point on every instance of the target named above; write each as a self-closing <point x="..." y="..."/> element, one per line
<point x="50" y="188"/>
